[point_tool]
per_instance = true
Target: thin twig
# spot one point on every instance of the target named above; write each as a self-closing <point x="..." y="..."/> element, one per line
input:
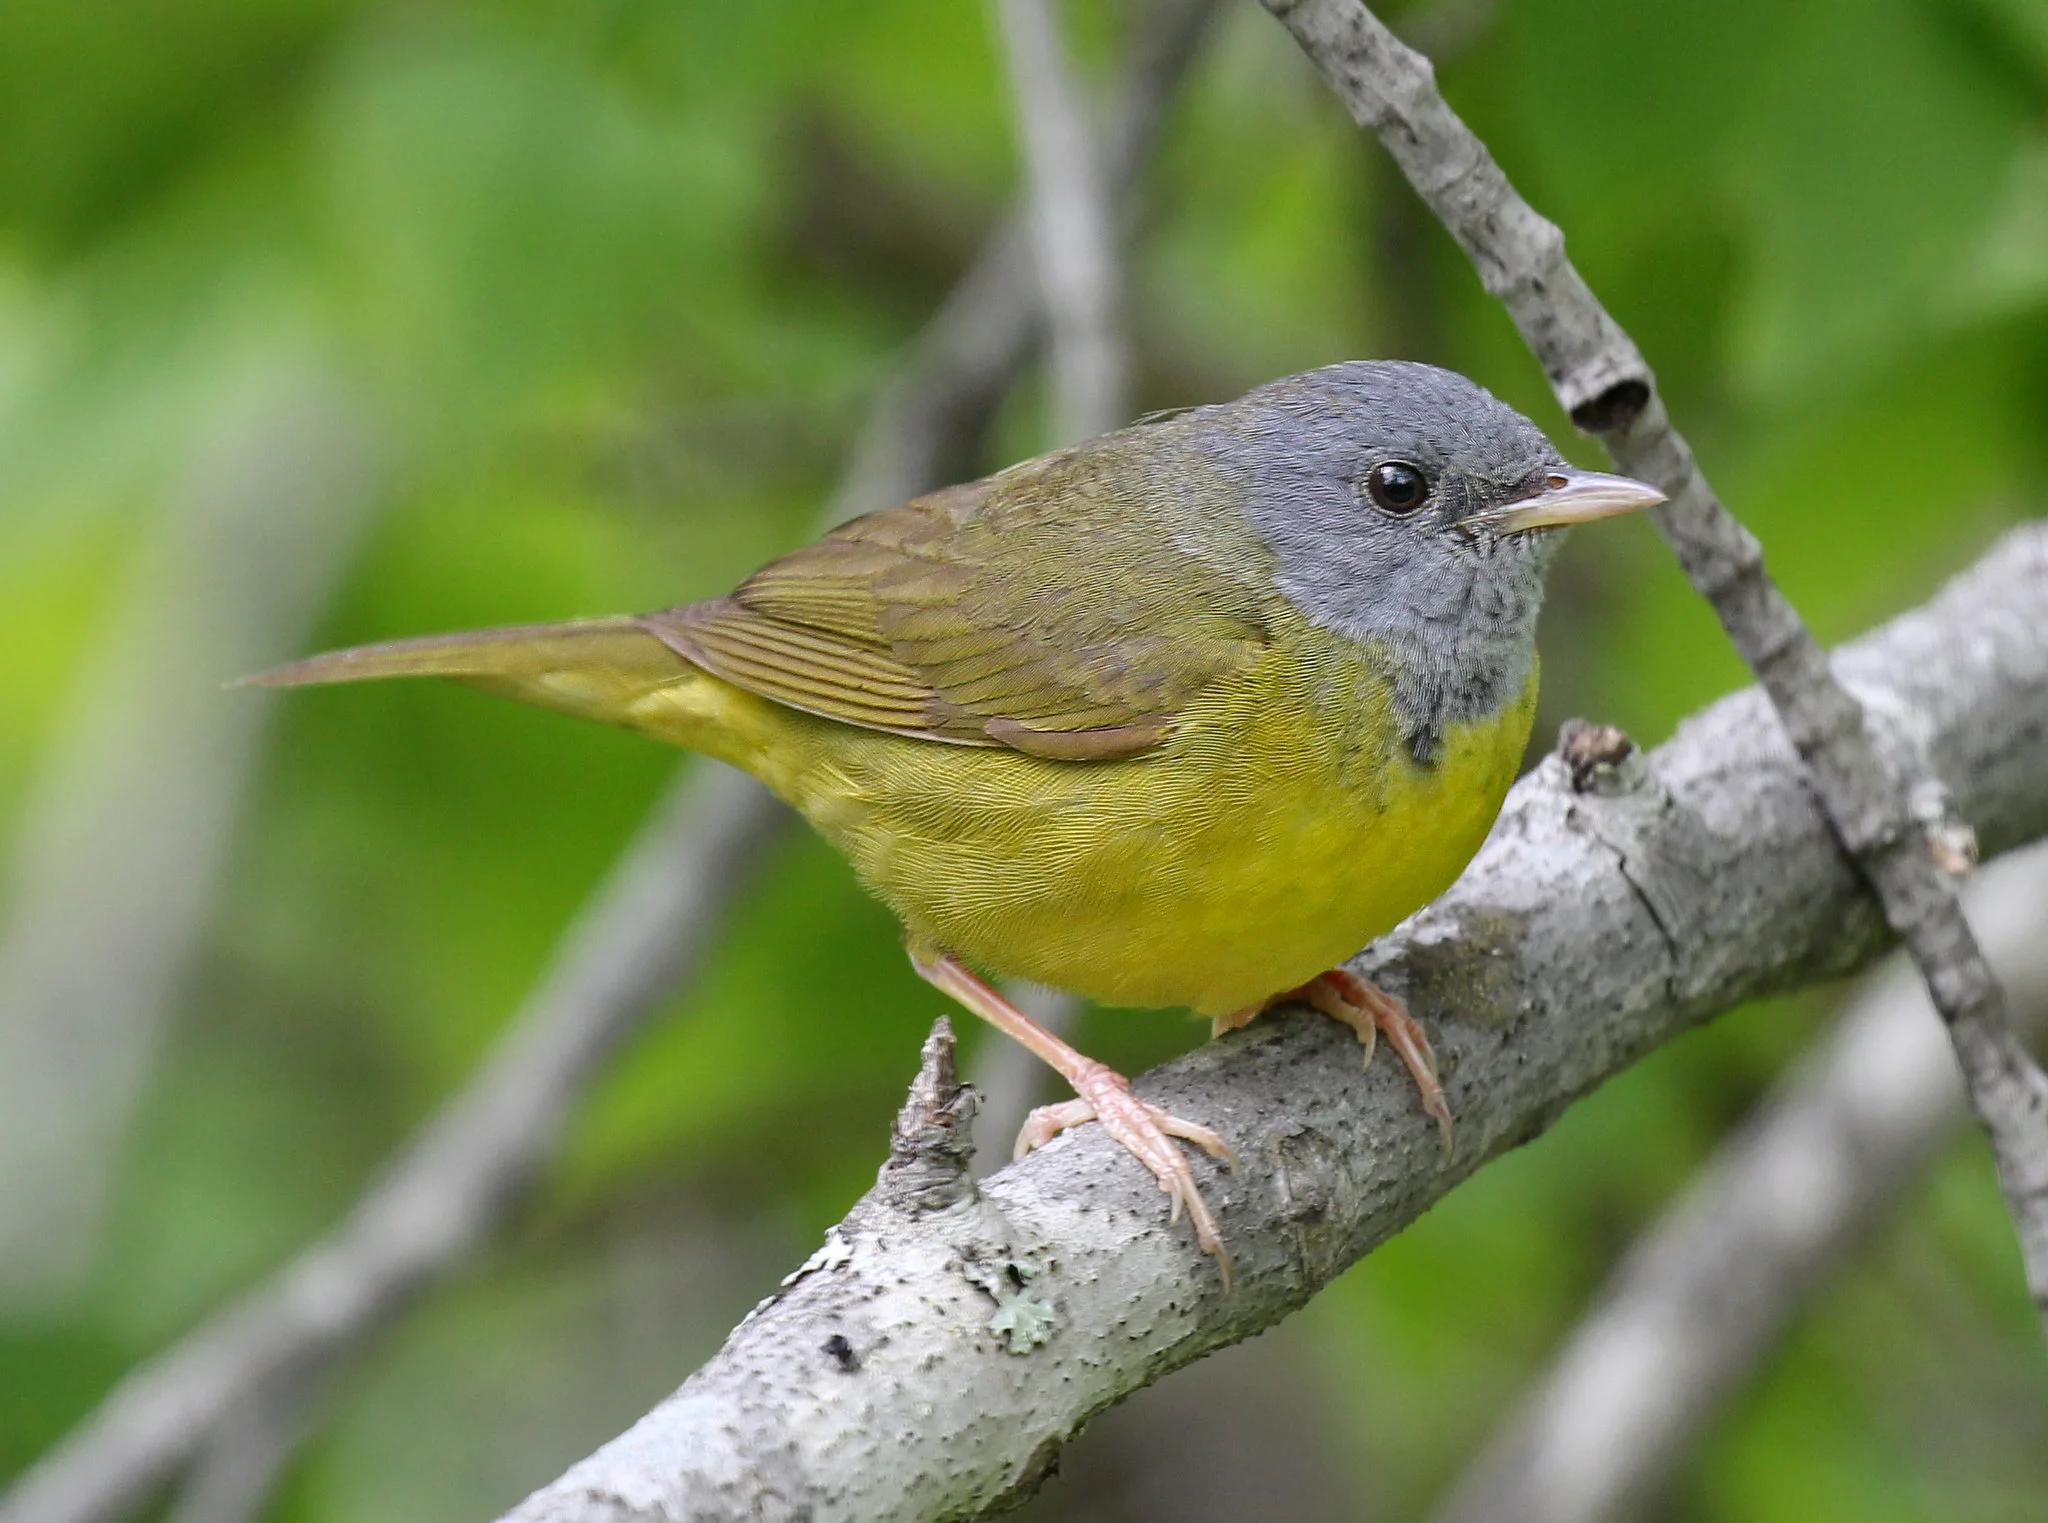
<point x="633" y="941"/>
<point x="1608" y="389"/>
<point x="1699" y="1302"/>
<point x="930" y="1361"/>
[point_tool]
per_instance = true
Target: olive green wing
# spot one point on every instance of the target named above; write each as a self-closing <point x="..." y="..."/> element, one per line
<point x="1040" y="609"/>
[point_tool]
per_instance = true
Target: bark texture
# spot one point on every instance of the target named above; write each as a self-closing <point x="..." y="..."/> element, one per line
<point x="1705" y="1297"/>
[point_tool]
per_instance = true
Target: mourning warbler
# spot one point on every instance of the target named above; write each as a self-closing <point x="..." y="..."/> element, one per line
<point x="1184" y="715"/>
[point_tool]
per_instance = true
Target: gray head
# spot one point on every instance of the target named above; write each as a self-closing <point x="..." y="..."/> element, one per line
<point x="1409" y="508"/>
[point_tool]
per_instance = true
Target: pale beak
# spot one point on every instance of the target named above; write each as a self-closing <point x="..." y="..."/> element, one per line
<point x="1570" y="496"/>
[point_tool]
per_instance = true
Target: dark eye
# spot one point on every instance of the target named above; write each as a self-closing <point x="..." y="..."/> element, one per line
<point x="1397" y="487"/>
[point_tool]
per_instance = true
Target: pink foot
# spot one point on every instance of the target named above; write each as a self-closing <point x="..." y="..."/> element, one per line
<point x="1145" y="1131"/>
<point x="1368" y="1010"/>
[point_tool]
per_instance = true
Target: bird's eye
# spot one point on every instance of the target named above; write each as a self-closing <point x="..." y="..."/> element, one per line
<point x="1397" y="487"/>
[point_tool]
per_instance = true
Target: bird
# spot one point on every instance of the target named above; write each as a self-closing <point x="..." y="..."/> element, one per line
<point x="1182" y="715"/>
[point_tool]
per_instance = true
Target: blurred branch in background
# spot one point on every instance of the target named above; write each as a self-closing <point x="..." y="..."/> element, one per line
<point x="128" y="824"/>
<point x="642" y="932"/>
<point x="235" y="1474"/>
<point x="984" y="332"/>
<point x="1009" y="1078"/>
<point x="1705" y="1295"/>
<point x="647" y="927"/>
<point x="1073" y="230"/>
<point x="1247" y="1432"/>
<point x="1444" y="29"/>
<point x="1601" y="379"/>
<point x="1075" y="250"/>
<point x="933" y="1357"/>
<point x="1077" y="257"/>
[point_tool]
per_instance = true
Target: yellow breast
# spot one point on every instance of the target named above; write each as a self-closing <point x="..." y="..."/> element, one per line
<point x="1282" y="827"/>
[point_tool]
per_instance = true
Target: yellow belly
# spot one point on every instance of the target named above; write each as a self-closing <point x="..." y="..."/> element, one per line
<point x="1281" y="828"/>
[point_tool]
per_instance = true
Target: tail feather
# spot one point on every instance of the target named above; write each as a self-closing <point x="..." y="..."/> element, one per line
<point x="596" y="668"/>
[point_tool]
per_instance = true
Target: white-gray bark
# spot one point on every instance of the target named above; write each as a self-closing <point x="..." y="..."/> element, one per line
<point x="1703" y="1297"/>
<point x="1603" y="382"/>
<point x="932" y="1357"/>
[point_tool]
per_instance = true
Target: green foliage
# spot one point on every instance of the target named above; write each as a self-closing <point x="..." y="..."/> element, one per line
<point x="616" y="278"/>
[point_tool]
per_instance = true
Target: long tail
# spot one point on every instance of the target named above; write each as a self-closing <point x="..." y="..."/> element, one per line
<point x="604" y="669"/>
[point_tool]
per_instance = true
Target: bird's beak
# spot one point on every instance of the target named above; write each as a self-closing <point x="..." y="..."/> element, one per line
<point x="1571" y="496"/>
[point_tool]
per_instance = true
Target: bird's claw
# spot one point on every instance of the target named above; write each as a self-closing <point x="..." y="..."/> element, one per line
<point x="1145" y="1131"/>
<point x="1368" y="1009"/>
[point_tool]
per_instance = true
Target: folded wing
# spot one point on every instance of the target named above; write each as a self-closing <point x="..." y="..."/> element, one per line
<point x="1022" y="611"/>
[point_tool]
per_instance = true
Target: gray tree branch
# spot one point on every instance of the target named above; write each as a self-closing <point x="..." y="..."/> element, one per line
<point x="238" y="1468"/>
<point x="1610" y="392"/>
<point x="931" y="1359"/>
<point x="1703" y="1297"/>
<point x="639" y="935"/>
<point x="1080" y="263"/>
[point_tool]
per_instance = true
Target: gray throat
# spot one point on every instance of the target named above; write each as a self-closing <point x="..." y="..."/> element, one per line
<point x="1459" y="626"/>
<point x="1461" y="669"/>
<point x="1452" y="604"/>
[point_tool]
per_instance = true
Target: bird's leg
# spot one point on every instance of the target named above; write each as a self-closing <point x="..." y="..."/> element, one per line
<point x="1144" y="1129"/>
<point x="1368" y="1010"/>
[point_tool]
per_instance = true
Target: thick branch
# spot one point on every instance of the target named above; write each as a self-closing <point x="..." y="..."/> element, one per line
<point x="1706" y="1294"/>
<point x="1604" y="383"/>
<point x="1595" y="924"/>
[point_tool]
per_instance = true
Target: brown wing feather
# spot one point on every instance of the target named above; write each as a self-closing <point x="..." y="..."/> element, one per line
<point x="801" y="666"/>
<point x="1046" y="609"/>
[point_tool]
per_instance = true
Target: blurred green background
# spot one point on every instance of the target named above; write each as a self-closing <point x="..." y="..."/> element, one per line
<point x="329" y="320"/>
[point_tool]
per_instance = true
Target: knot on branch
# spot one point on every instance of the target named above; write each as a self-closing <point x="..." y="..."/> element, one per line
<point x="1929" y="807"/>
<point x="1951" y="840"/>
<point x="1613" y="409"/>
<point x="932" y="1143"/>
<point x="1600" y="758"/>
